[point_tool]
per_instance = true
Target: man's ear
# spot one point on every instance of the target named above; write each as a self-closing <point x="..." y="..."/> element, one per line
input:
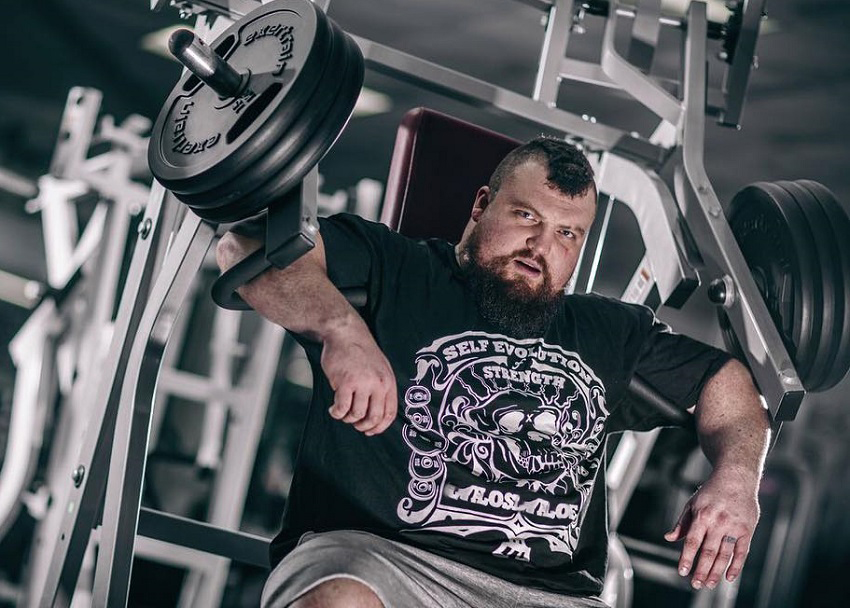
<point x="482" y="199"/>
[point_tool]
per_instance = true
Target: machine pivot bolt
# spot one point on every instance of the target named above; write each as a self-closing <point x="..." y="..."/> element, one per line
<point x="78" y="475"/>
<point x="145" y="228"/>
<point x="722" y="291"/>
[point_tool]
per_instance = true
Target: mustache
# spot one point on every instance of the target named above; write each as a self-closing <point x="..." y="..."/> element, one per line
<point x="526" y="255"/>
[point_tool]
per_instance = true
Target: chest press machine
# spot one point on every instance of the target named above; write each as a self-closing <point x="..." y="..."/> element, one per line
<point x="244" y="129"/>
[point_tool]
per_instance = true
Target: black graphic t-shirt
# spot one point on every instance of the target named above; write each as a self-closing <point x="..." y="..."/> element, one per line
<point x="496" y="457"/>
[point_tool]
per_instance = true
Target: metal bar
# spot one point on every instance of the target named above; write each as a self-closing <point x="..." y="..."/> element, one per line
<point x="170" y="554"/>
<point x="89" y="331"/>
<point x="170" y="360"/>
<point x="204" y="63"/>
<point x="657" y="215"/>
<point x="243" y="437"/>
<point x="462" y="87"/>
<point x="192" y="386"/>
<point x="225" y="338"/>
<point x="633" y="81"/>
<point x="18" y="290"/>
<point x="666" y="553"/>
<point x="75" y="130"/>
<point x="59" y="225"/>
<point x="769" y="360"/>
<point x="600" y="241"/>
<point x="738" y="75"/>
<point x="645" y="30"/>
<point x="31" y="350"/>
<point x="602" y="8"/>
<point x="626" y="467"/>
<point x="578" y="282"/>
<point x="240" y="546"/>
<point x="779" y="583"/>
<point x="555" y="43"/>
<point x="81" y="507"/>
<point x="586" y="71"/>
<point x="660" y="573"/>
<point x="126" y="467"/>
<point x="16" y="184"/>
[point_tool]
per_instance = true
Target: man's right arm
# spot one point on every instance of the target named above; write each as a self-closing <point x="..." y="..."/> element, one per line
<point x="302" y="299"/>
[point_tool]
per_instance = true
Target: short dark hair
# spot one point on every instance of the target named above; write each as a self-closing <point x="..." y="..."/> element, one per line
<point x="569" y="170"/>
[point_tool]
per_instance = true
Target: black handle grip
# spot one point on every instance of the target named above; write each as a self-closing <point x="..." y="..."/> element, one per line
<point x="224" y="289"/>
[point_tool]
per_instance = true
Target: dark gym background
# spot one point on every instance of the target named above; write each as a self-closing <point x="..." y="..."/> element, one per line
<point x="796" y="125"/>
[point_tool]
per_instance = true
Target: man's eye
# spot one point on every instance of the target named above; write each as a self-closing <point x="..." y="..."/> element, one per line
<point x="568" y="233"/>
<point x="526" y="215"/>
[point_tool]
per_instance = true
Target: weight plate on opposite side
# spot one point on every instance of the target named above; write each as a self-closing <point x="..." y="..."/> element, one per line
<point x="824" y="339"/>
<point x="282" y="44"/>
<point x="254" y="177"/>
<point x="839" y="218"/>
<point x="323" y="138"/>
<point x="774" y="238"/>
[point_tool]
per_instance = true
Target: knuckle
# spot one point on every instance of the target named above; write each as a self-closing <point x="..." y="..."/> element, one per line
<point x="691" y="543"/>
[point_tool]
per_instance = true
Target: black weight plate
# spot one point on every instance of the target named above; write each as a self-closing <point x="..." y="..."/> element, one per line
<point x="314" y="118"/>
<point x="823" y="339"/>
<point x="253" y="177"/>
<point x="839" y="219"/>
<point x="331" y="128"/>
<point x="774" y="238"/>
<point x="211" y="119"/>
<point x="323" y="138"/>
<point x="197" y="131"/>
<point x="275" y="125"/>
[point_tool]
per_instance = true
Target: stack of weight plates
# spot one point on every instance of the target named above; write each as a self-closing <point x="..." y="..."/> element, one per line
<point x="228" y="159"/>
<point x="794" y="237"/>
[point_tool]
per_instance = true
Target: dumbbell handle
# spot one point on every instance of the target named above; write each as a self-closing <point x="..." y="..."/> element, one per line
<point x="204" y="63"/>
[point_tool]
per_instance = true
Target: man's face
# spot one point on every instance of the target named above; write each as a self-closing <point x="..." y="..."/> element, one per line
<point x="529" y="234"/>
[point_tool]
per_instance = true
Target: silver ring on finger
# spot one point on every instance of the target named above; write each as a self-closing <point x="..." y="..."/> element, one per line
<point x="730" y="539"/>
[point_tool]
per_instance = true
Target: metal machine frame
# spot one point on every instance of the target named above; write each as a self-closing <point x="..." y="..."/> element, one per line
<point x="148" y="307"/>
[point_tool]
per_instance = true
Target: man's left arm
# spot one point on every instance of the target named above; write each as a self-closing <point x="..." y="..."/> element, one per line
<point x="718" y="521"/>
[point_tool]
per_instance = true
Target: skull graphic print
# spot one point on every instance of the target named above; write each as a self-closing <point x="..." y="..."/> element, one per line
<point x="506" y="438"/>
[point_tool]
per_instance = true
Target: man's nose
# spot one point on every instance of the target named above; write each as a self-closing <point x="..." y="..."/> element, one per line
<point x="540" y="240"/>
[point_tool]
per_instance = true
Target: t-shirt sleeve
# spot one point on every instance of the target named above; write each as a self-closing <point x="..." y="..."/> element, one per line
<point x="360" y="254"/>
<point x="356" y="251"/>
<point x="675" y="365"/>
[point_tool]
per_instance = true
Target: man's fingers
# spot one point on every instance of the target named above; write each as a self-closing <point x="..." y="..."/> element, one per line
<point x="721" y="562"/>
<point x="377" y="404"/>
<point x="693" y="541"/>
<point x="342" y="402"/>
<point x="384" y="418"/>
<point x="359" y="406"/>
<point x="681" y="527"/>
<point x="708" y="550"/>
<point x="742" y="549"/>
<point x="390" y="410"/>
<point x="674" y="534"/>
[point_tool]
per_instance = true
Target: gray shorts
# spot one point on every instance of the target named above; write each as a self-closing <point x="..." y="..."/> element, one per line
<point x="400" y="575"/>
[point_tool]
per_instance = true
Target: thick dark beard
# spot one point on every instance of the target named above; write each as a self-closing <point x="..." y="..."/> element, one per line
<point x="514" y="307"/>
